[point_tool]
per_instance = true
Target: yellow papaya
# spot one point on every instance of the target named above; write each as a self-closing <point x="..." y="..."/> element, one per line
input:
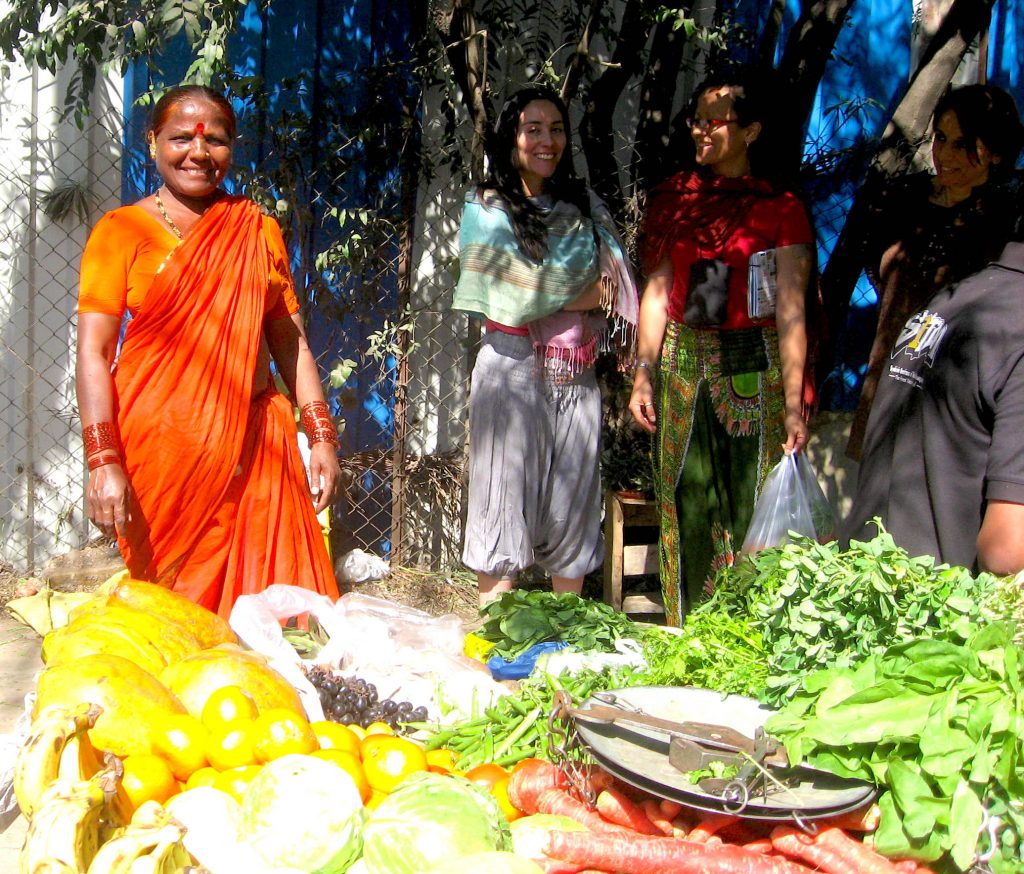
<point x="110" y="638"/>
<point x="207" y="627"/>
<point x="195" y="678"/>
<point x="169" y="636"/>
<point x="134" y="702"/>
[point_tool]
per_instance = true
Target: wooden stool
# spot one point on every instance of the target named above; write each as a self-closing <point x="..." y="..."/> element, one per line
<point x="622" y="512"/>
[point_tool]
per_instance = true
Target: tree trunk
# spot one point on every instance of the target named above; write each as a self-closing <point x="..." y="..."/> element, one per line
<point x="597" y="129"/>
<point x="803" y="62"/>
<point x="904" y="133"/>
<point x="466" y="48"/>
<point x="582" y="54"/>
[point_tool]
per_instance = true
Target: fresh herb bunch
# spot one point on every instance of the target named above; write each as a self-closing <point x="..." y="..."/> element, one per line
<point x="817" y="605"/>
<point x="719" y="647"/>
<point x="520" y="619"/>
<point x="940" y="725"/>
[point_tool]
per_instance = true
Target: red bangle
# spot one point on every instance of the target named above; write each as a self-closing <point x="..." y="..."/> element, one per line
<point x="98" y="437"/>
<point x="103" y="460"/>
<point x="318" y="424"/>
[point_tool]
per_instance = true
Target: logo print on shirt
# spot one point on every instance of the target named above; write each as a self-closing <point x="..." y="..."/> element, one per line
<point x="921" y="337"/>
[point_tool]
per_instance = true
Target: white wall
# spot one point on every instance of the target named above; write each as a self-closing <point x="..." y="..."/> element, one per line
<point x="41" y="467"/>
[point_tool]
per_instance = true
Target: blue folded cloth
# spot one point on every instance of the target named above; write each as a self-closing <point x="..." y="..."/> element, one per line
<point x="522" y="665"/>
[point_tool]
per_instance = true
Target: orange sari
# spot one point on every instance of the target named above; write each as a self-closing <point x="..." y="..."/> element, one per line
<point x="220" y="503"/>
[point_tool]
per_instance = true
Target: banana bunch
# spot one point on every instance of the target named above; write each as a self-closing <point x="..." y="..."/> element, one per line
<point x="150" y="844"/>
<point x="65" y="831"/>
<point x="57" y="749"/>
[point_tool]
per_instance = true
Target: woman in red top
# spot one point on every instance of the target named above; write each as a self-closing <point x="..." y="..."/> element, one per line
<point x="192" y="453"/>
<point x="722" y="389"/>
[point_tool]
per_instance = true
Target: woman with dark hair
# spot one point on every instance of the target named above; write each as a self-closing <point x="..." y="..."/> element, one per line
<point x="192" y="453"/>
<point x="722" y="340"/>
<point x="931" y="229"/>
<point x="538" y="253"/>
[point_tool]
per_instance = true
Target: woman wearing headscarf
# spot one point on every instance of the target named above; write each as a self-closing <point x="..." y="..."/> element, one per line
<point x="538" y="256"/>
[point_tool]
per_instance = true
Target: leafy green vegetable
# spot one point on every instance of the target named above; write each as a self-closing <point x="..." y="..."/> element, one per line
<point x="719" y="647"/>
<point x="431" y="819"/>
<point x="816" y="605"/>
<point x="522" y="618"/>
<point x="938" y="724"/>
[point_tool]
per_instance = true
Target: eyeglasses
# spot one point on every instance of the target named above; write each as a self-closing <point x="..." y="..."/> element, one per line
<point x="709" y="124"/>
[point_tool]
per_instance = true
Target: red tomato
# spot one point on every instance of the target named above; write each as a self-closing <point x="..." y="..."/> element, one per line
<point x="486" y="775"/>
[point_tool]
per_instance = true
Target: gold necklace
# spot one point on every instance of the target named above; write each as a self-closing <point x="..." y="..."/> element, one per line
<point x="160" y="206"/>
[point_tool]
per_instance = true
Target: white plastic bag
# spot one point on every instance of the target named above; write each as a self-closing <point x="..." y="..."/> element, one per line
<point x="791" y="500"/>
<point x="10" y="745"/>
<point x="256" y="619"/>
<point x="359" y="566"/>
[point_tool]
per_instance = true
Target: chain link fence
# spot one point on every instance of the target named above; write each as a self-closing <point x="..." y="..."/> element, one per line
<point x="54" y="180"/>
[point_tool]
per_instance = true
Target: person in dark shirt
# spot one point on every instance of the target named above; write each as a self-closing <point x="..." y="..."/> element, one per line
<point x="943" y="463"/>
<point x="930" y="229"/>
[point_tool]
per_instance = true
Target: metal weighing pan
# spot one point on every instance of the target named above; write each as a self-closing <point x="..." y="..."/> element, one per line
<point x="639" y="756"/>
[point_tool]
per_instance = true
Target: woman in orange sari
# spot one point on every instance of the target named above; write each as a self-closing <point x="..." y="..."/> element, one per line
<point x="192" y="453"/>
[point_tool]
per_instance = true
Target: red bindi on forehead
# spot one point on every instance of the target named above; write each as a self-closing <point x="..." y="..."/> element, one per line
<point x="200" y="129"/>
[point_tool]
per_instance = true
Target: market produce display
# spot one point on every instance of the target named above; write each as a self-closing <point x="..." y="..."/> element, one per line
<point x="160" y="744"/>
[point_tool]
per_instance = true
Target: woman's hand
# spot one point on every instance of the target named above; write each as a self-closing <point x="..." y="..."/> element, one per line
<point x="324" y="475"/>
<point x="796" y="433"/>
<point x="108" y="499"/>
<point x="641" y="401"/>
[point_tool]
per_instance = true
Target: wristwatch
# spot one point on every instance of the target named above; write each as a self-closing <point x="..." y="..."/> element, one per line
<point x="645" y="365"/>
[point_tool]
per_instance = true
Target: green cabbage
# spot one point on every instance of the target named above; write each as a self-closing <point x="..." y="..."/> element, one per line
<point x="303" y="812"/>
<point x="429" y="819"/>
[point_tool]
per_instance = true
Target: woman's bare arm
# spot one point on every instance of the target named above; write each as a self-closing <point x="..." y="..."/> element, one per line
<point x="793" y="265"/>
<point x="287" y="341"/>
<point x="107" y="494"/>
<point x="650" y="335"/>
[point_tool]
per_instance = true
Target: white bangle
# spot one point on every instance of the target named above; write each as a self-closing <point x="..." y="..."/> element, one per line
<point x="643" y="365"/>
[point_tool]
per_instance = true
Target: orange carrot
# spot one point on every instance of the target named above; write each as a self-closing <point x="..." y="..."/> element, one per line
<point x="708" y="825"/>
<point x="760" y="845"/>
<point x="832" y="851"/>
<point x="657" y="817"/>
<point x="863" y="820"/>
<point x="617" y="808"/>
<point x="529" y="780"/>
<point x="562" y="803"/>
<point x="639" y="854"/>
<point x="796" y="844"/>
<point x="906" y="866"/>
<point x="670" y="808"/>
<point x="865" y="857"/>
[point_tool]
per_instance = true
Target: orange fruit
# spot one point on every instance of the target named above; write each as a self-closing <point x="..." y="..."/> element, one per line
<point x="334" y="736"/>
<point x="441" y="761"/>
<point x="280" y="732"/>
<point x="486" y="775"/>
<point x="181" y="740"/>
<point x="388" y="760"/>
<point x="232" y="745"/>
<point x="235" y="780"/>
<point x="500" y="791"/>
<point x="379" y="728"/>
<point x="202" y="777"/>
<point x="228" y="704"/>
<point x="147" y="778"/>
<point x="348" y="762"/>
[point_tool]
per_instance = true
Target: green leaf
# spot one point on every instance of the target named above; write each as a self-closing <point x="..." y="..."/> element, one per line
<point x="966" y="817"/>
